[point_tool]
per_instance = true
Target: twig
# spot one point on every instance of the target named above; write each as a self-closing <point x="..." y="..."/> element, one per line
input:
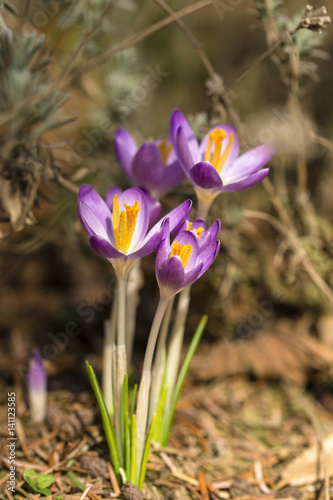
<point x="138" y="37"/>
<point x="86" y="491"/>
<point x="85" y="39"/>
<point x="323" y="141"/>
<point x="292" y="236"/>
<point x="192" y="39"/>
<point x="257" y="61"/>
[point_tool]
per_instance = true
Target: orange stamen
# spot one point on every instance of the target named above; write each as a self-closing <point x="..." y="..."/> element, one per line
<point x="218" y="157"/>
<point x="124" y="223"/>
<point x="182" y="251"/>
<point x="165" y="148"/>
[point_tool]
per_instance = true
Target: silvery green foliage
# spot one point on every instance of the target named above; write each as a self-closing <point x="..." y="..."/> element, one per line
<point x="263" y="7"/>
<point x="301" y="32"/>
<point x="123" y="73"/>
<point x="29" y="106"/>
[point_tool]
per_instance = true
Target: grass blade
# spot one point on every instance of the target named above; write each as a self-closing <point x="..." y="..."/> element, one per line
<point x="158" y="435"/>
<point x="107" y="425"/>
<point x="133" y="400"/>
<point x="143" y="468"/>
<point x="132" y="476"/>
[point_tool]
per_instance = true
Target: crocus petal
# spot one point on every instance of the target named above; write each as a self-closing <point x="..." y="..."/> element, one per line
<point x="125" y="148"/>
<point x="234" y="150"/>
<point x="247" y="164"/>
<point x="179" y="120"/>
<point x="188" y="238"/>
<point x="110" y="195"/>
<point x="209" y="235"/>
<point x="148" y="246"/>
<point x="155" y="209"/>
<point x="89" y="196"/>
<point x="172" y="176"/>
<point x="214" y="229"/>
<point x="192" y="275"/>
<point x="185" y="156"/>
<point x="164" y="248"/>
<point x="104" y="248"/>
<point x="247" y="183"/>
<point x="130" y="196"/>
<point x="147" y="166"/>
<point x="36" y="377"/>
<point x="197" y="223"/>
<point x="208" y="256"/>
<point x="204" y="175"/>
<point x="176" y="217"/>
<point x="92" y="224"/>
<point x="170" y="277"/>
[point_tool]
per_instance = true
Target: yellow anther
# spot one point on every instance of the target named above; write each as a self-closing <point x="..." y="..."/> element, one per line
<point x="182" y="251"/>
<point x="225" y="154"/>
<point x="124" y="223"/>
<point x="218" y="158"/>
<point x="165" y="147"/>
<point x="197" y="230"/>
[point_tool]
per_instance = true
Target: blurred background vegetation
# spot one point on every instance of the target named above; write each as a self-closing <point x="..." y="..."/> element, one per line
<point x="72" y="72"/>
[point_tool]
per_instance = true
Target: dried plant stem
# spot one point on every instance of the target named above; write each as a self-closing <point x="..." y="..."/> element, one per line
<point x="295" y="244"/>
<point x="85" y="39"/>
<point x="138" y="37"/>
<point x="192" y="39"/>
<point x="257" y="61"/>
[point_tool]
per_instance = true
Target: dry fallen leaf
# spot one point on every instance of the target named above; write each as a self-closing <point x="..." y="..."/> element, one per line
<point x="287" y="351"/>
<point x="309" y="466"/>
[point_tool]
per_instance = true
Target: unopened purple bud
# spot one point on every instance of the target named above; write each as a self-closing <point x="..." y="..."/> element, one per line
<point x="37" y="387"/>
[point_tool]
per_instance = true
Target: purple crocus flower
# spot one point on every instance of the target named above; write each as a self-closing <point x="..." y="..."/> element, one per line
<point x="214" y="165"/>
<point x="121" y="235"/>
<point x="37" y="382"/>
<point x="154" y="205"/>
<point x="152" y="166"/>
<point x="204" y="236"/>
<point x="181" y="263"/>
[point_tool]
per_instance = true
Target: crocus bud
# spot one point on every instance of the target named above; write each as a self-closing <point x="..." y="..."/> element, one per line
<point x="37" y="388"/>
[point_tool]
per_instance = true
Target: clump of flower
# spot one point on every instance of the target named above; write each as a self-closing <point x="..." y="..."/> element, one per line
<point x="123" y="229"/>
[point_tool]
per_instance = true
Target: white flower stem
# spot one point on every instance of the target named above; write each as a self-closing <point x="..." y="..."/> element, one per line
<point x="176" y="341"/>
<point x="143" y="394"/>
<point x="37" y="404"/>
<point x="159" y="362"/>
<point x="135" y="282"/>
<point x="119" y="358"/>
<point x="109" y="339"/>
<point x="121" y="320"/>
<point x="162" y="305"/>
<point x="119" y="371"/>
<point x="205" y="199"/>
